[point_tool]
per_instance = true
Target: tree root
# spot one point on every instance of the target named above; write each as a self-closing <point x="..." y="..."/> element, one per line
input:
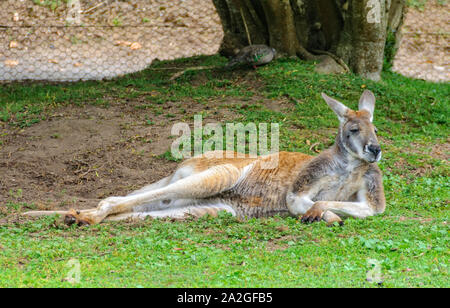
<point x="195" y="68"/>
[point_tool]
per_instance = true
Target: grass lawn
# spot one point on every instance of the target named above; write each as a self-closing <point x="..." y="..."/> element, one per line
<point x="409" y="241"/>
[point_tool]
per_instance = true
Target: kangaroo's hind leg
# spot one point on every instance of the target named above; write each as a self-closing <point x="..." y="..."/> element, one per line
<point x="74" y="216"/>
<point x="195" y="211"/>
<point x="69" y="216"/>
<point x="179" y="174"/>
<point x="194" y="187"/>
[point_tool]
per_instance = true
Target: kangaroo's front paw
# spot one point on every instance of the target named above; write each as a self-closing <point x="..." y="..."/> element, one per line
<point x="314" y="214"/>
<point x="76" y="217"/>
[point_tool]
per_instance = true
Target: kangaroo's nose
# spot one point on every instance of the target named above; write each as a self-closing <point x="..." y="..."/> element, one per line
<point x="375" y="149"/>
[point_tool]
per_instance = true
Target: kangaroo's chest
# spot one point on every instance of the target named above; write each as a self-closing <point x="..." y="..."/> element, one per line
<point x="340" y="186"/>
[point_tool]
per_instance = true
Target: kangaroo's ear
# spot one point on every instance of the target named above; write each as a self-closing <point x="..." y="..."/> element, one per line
<point x="367" y="102"/>
<point x="338" y="108"/>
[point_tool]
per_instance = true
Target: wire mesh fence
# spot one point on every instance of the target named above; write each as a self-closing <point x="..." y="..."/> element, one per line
<point x="70" y="40"/>
<point x="424" y="50"/>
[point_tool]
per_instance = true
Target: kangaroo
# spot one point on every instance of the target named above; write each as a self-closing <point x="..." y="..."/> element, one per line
<point x="343" y="181"/>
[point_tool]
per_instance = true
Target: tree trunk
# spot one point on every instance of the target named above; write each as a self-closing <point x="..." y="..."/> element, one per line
<point x="353" y="32"/>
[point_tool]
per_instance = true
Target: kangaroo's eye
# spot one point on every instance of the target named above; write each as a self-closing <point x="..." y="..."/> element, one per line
<point x="354" y="130"/>
<point x="376" y="130"/>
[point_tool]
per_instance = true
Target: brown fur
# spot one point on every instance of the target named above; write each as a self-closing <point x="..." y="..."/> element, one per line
<point x="263" y="192"/>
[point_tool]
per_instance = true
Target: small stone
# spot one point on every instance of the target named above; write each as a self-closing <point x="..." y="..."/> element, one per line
<point x="13" y="44"/>
<point x="329" y="66"/>
<point x="135" y="46"/>
<point x="123" y="43"/>
<point x="11" y="63"/>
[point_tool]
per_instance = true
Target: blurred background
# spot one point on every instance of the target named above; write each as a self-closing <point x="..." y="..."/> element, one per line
<point x="57" y="40"/>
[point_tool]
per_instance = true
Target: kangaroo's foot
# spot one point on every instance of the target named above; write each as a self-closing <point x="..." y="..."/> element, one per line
<point x="331" y="218"/>
<point x="79" y="218"/>
<point x="70" y="217"/>
<point x="105" y="208"/>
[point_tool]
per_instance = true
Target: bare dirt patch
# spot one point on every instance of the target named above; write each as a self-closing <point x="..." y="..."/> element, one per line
<point x="79" y="157"/>
<point x="421" y="220"/>
<point x="437" y="150"/>
<point x="441" y="151"/>
<point x="83" y="154"/>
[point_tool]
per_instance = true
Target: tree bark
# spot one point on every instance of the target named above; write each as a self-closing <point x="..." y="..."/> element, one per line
<point x="354" y="32"/>
<point x="395" y="21"/>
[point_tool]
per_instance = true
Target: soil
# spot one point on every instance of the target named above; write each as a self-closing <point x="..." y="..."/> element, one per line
<point x="83" y="154"/>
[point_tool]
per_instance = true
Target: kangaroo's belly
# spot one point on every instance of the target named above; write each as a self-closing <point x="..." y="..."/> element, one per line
<point x="262" y="191"/>
<point x="254" y="204"/>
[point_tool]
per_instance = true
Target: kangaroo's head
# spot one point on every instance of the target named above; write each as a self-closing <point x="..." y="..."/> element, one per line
<point x="357" y="134"/>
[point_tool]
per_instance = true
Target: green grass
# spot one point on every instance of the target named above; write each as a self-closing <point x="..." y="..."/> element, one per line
<point x="410" y="240"/>
<point x="52" y="4"/>
<point x="420" y="4"/>
<point x="225" y="253"/>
